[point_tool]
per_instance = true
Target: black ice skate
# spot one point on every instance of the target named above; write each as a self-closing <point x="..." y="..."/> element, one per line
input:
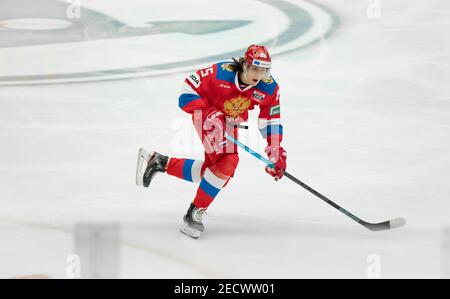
<point x="155" y="162"/>
<point x="193" y="225"/>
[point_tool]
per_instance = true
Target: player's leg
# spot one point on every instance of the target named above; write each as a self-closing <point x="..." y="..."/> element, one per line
<point x="221" y="160"/>
<point x="149" y="164"/>
<point x="214" y="179"/>
<point x="186" y="169"/>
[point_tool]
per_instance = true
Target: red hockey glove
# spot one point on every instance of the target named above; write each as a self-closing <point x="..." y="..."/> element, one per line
<point x="213" y="130"/>
<point x="276" y="155"/>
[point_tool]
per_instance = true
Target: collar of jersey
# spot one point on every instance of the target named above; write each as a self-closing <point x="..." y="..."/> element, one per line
<point x="236" y="82"/>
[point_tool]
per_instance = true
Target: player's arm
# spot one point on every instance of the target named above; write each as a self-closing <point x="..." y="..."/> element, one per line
<point x="269" y="124"/>
<point x="269" y="121"/>
<point x="196" y="90"/>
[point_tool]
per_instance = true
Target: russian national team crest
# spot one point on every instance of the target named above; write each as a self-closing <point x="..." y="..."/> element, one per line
<point x="100" y="41"/>
<point x="236" y="106"/>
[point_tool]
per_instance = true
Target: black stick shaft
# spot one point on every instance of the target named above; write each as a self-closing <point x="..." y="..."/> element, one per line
<point x="372" y="226"/>
<point x="323" y="197"/>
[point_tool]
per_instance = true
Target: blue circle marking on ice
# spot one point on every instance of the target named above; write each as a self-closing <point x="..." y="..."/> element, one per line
<point x="307" y="23"/>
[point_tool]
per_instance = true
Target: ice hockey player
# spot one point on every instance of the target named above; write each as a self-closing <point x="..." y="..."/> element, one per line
<point x="218" y="97"/>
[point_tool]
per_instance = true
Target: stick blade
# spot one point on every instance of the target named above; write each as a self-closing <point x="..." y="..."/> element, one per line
<point x="397" y="222"/>
<point x="386" y="225"/>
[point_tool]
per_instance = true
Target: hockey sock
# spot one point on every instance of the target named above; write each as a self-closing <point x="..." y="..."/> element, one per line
<point x="209" y="187"/>
<point x="185" y="169"/>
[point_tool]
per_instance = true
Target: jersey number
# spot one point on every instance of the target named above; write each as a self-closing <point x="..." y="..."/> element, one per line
<point x="206" y="72"/>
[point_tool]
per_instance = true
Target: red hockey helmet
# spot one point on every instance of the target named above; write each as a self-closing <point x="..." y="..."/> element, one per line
<point x="258" y="56"/>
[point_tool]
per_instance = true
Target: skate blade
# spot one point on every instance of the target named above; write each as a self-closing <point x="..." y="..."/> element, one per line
<point x="143" y="156"/>
<point x="193" y="233"/>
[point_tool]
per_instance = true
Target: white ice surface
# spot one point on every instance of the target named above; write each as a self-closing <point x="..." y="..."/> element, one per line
<point x="366" y="119"/>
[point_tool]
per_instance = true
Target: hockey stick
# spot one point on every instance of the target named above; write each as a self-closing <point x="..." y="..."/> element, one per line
<point x="389" y="224"/>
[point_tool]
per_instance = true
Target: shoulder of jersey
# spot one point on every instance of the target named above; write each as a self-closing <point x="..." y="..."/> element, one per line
<point x="225" y="72"/>
<point x="268" y="85"/>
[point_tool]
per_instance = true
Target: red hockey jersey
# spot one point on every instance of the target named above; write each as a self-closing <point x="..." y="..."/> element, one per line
<point x="218" y="86"/>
